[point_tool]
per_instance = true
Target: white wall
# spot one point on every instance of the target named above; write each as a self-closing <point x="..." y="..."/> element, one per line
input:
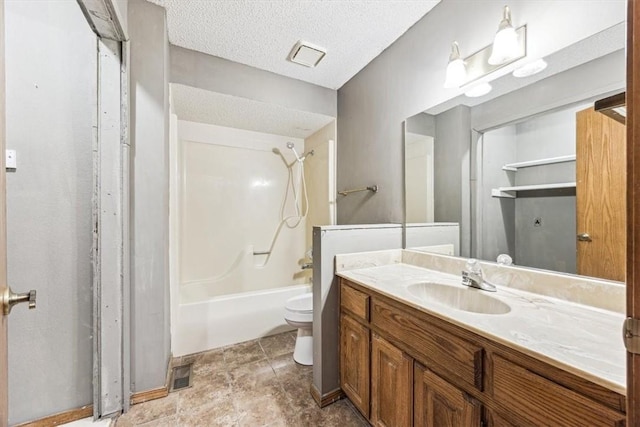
<point x="233" y="193"/>
<point x="51" y="104"/>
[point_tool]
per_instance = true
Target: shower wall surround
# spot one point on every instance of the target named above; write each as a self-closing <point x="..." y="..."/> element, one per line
<point x="236" y="188"/>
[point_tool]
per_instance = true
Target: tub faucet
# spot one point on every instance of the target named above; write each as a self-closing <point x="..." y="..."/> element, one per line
<point x="472" y="276"/>
<point x="307" y="266"/>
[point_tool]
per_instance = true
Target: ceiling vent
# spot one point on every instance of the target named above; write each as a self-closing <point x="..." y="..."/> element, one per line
<point x="306" y="54"/>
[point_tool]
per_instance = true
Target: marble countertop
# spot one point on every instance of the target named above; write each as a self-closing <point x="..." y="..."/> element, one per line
<point x="581" y="339"/>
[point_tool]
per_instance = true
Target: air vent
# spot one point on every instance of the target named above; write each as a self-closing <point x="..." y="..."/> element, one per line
<point x="181" y="377"/>
<point x="306" y="54"/>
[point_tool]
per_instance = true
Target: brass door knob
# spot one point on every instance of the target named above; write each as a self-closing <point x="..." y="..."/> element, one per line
<point x="8" y="299"/>
<point x="584" y="237"/>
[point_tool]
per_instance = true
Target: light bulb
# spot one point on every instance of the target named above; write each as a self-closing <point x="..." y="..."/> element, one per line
<point x="456" y="69"/>
<point x="505" y="44"/>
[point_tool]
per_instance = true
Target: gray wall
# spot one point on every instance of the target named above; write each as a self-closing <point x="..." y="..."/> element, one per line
<point x="497" y="220"/>
<point x="407" y="78"/>
<point x="422" y="124"/>
<point x="51" y="104"/>
<point x="507" y="225"/>
<point x="329" y="241"/>
<point x="452" y="155"/>
<point x="150" y="316"/>
<point x="203" y="71"/>
<point x="553" y="244"/>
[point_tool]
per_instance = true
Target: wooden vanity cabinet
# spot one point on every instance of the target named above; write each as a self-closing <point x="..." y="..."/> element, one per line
<point x="402" y="367"/>
<point x="437" y="403"/>
<point x="354" y="363"/>
<point x="391" y="385"/>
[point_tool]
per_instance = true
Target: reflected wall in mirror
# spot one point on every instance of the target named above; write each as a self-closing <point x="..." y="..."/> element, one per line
<point x="531" y="169"/>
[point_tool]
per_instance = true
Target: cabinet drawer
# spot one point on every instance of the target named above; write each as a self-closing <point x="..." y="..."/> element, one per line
<point x="354" y="301"/>
<point x="436" y="347"/>
<point x="540" y="401"/>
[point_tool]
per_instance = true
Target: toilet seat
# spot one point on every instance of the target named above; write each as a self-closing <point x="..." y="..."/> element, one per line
<point x="301" y="304"/>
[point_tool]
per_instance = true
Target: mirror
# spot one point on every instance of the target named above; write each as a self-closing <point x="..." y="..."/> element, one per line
<point x="530" y="169"/>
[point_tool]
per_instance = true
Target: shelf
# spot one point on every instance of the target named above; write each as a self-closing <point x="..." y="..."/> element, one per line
<point x="510" y="192"/>
<point x="561" y="159"/>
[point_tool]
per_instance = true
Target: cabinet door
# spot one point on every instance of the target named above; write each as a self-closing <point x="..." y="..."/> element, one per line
<point x="440" y="404"/>
<point x="391" y="386"/>
<point x="496" y="420"/>
<point x="354" y="363"/>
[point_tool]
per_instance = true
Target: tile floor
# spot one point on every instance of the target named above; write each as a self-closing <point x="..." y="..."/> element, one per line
<point x="255" y="384"/>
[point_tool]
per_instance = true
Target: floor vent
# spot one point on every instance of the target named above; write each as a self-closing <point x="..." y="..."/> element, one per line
<point x="181" y="377"/>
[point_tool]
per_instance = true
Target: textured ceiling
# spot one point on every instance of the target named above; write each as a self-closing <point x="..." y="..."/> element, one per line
<point x="202" y="106"/>
<point x="261" y="33"/>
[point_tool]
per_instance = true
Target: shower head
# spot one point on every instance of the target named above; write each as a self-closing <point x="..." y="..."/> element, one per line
<point x="295" y="153"/>
<point x="277" y="151"/>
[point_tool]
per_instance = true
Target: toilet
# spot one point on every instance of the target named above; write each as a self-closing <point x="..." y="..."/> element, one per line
<point x="298" y="312"/>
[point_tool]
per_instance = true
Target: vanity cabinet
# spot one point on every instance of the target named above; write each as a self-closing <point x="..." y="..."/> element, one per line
<point x="354" y="362"/>
<point x="437" y="403"/>
<point x="403" y="367"/>
<point x="391" y="385"/>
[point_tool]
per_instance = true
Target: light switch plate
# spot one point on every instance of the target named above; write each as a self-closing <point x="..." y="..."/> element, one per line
<point x="11" y="162"/>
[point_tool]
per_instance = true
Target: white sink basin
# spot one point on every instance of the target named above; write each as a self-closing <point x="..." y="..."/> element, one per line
<point x="464" y="299"/>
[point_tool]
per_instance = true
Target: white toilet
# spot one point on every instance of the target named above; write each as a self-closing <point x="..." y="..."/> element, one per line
<point x="298" y="312"/>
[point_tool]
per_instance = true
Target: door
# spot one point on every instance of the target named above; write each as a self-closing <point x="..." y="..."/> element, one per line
<point x="600" y="196"/>
<point x="391" y="385"/>
<point x="440" y="404"/>
<point x="354" y="363"/>
<point x="46" y="203"/>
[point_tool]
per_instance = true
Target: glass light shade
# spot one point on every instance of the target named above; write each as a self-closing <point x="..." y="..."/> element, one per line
<point x="505" y="46"/>
<point x="530" y="68"/>
<point x="479" y="90"/>
<point x="456" y="73"/>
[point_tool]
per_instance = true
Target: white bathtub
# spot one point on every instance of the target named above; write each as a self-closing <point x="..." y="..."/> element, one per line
<point x="231" y="319"/>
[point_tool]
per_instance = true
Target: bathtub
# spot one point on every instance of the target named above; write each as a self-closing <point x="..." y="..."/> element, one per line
<point x="231" y="319"/>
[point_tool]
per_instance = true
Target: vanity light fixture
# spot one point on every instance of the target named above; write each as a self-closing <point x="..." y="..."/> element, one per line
<point x="505" y="44"/>
<point x="530" y="68"/>
<point x="510" y="45"/>
<point x="478" y="90"/>
<point x="456" y="69"/>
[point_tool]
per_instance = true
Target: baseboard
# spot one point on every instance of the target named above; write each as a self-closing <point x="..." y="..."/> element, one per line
<point x="327" y="398"/>
<point x="145" y="396"/>
<point x="61" y="418"/>
<point x="156" y="393"/>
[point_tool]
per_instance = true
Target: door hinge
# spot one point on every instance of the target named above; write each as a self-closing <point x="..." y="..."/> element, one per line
<point x="631" y="335"/>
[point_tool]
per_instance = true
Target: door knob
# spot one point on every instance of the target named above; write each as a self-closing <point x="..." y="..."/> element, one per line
<point x="584" y="237"/>
<point x="8" y="299"/>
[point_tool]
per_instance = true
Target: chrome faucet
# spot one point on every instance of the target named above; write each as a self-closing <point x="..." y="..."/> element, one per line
<point x="307" y="266"/>
<point x="473" y="277"/>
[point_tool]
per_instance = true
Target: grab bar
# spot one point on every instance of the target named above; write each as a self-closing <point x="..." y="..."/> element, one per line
<point x="261" y="252"/>
<point x="372" y="188"/>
